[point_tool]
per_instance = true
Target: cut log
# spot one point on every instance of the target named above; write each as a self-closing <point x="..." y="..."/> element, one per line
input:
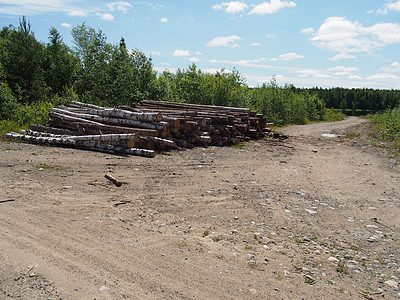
<point x="125" y="114"/>
<point x="161" y="141"/>
<point x="82" y="144"/>
<point x="88" y="125"/>
<point x="109" y="120"/>
<point x="41" y="128"/>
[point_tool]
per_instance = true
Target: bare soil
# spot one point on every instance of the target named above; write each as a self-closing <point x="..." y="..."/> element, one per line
<point x="310" y="217"/>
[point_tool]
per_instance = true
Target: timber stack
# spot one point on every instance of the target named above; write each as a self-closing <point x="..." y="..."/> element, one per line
<point x="152" y="127"/>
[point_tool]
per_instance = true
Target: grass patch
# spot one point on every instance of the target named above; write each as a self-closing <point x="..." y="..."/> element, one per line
<point x="237" y="145"/>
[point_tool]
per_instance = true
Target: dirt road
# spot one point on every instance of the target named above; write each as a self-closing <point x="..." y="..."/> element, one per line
<point x="312" y="217"/>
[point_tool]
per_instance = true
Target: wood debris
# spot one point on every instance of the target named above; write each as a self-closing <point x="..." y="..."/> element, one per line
<point x="152" y="127"/>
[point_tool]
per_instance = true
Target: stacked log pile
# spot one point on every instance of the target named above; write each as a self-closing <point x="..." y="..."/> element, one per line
<point x="147" y="129"/>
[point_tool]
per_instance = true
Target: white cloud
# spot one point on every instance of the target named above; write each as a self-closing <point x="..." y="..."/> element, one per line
<point x="164" y="20"/>
<point x="343" y="69"/>
<point x="198" y="53"/>
<point x="233" y="7"/>
<point x="312" y="73"/>
<point x="355" y="77"/>
<point x="40" y="7"/>
<point x="389" y="6"/>
<point x="396" y="65"/>
<point x="155" y="53"/>
<point x="388" y="33"/>
<point x="342" y="56"/>
<point x="66" y="25"/>
<point x="122" y="6"/>
<point x="307" y="31"/>
<point x="179" y="52"/>
<point x="338" y="34"/>
<point x="224" y="41"/>
<point x="255" y="63"/>
<point x="290" y="56"/>
<point x="271" y="36"/>
<point x="106" y="16"/>
<point x="270" y="7"/>
<point x="254" y="45"/>
<point x="393" y="68"/>
<point x="77" y="13"/>
<point x="194" y="59"/>
<point x="383" y="76"/>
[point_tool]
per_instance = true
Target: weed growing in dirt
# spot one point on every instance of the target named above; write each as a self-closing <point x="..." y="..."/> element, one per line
<point x="182" y="245"/>
<point x="253" y="265"/>
<point x="217" y="238"/>
<point x="355" y="248"/>
<point x="310" y="281"/>
<point x="206" y="233"/>
<point x="237" y="145"/>
<point x="351" y="135"/>
<point x="341" y="268"/>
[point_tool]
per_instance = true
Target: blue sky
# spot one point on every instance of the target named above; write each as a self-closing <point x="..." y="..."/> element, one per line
<point x="308" y="43"/>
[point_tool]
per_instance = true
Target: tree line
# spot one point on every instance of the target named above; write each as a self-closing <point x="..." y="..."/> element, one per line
<point x="358" y="99"/>
<point x="35" y="76"/>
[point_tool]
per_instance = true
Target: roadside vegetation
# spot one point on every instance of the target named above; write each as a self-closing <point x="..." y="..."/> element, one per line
<point x="388" y="127"/>
<point x="36" y="76"/>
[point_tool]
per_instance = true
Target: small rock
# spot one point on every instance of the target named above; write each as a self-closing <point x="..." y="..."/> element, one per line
<point x="253" y="291"/>
<point x="392" y="284"/>
<point x="311" y="212"/>
<point x="333" y="259"/>
<point x="103" y="288"/>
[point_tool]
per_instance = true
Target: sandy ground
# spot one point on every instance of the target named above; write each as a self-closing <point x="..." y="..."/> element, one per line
<point x="311" y="217"/>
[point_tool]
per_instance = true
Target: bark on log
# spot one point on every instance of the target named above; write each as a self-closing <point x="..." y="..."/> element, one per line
<point x="113" y="180"/>
<point x="161" y="141"/>
<point x="194" y="106"/>
<point x="125" y="114"/>
<point x="81" y="104"/>
<point x="88" y="126"/>
<point x="41" y="128"/>
<point x="109" y="120"/>
<point x="82" y="144"/>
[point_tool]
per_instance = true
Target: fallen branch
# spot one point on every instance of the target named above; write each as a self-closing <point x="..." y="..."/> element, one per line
<point x="8" y="200"/>
<point x="113" y="180"/>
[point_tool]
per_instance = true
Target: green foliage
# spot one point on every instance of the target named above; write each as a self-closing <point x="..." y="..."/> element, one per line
<point x="388" y="126"/>
<point x="195" y="86"/>
<point x="22" y="57"/>
<point x="16" y="116"/>
<point x="110" y="74"/>
<point x="60" y="64"/>
<point x="287" y="105"/>
<point x="358" y="99"/>
<point x="332" y="115"/>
